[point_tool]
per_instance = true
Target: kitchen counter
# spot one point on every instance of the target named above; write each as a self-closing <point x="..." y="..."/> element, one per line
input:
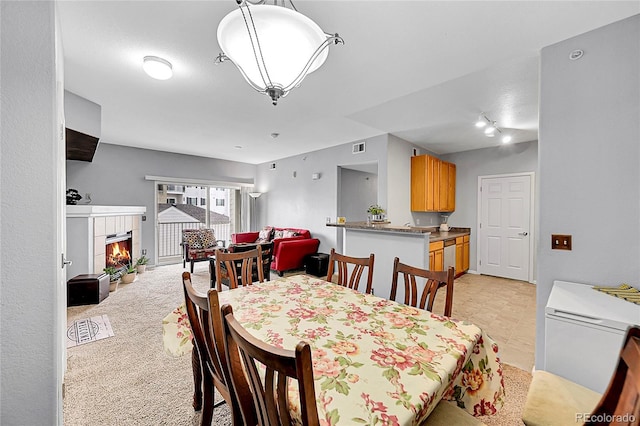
<point x="387" y="241"/>
<point x="434" y="233"/>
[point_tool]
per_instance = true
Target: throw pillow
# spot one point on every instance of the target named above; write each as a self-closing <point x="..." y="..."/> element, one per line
<point x="287" y="233"/>
<point x="208" y="238"/>
<point x="265" y="235"/>
<point x="193" y="239"/>
<point x="278" y="233"/>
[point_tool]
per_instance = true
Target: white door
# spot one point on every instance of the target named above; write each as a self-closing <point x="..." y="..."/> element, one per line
<point x="504" y="230"/>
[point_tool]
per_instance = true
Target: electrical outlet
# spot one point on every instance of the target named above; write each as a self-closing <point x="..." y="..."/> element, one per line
<point x="560" y="242"/>
<point x="144" y="252"/>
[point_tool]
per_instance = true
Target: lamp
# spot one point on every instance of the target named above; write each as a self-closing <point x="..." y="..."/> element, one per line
<point x="157" y="68"/>
<point x="255" y="194"/>
<point x="273" y="47"/>
<point x="491" y="128"/>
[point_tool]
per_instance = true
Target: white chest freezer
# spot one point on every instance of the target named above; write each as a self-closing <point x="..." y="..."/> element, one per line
<point x="584" y="330"/>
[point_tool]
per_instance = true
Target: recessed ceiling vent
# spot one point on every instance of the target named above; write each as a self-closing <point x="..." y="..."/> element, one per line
<point x="358" y="148"/>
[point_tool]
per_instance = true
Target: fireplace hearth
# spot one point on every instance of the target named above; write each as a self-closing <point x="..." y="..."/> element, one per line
<point x="91" y="228"/>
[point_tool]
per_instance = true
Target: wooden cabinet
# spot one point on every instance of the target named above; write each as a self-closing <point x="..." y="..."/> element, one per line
<point x="433" y="184"/>
<point x="465" y="253"/>
<point x="436" y="256"/>
<point x="462" y="254"/>
<point x="459" y="255"/>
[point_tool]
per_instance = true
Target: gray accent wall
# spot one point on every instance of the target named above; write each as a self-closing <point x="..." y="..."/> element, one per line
<point x="117" y="177"/>
<point x="589" y="160"/>
<point x="516" y="158"/>
<point x="30" y="336"/>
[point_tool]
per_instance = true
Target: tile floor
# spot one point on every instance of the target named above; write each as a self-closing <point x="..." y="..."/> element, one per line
<point x="505" y="309"/>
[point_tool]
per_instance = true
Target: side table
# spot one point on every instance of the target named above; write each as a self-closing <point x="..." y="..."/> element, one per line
<point x="317" y="264"/>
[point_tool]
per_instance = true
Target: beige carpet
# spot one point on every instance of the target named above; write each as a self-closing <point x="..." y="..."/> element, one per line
<point x="128" y="379"/>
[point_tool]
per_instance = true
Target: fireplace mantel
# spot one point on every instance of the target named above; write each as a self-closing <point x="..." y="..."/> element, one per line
<point x="87" y="229"/>
<point x="88" y="210"/>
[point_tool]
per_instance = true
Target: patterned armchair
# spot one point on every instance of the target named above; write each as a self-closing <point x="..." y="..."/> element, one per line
<point x="198" y="245"/>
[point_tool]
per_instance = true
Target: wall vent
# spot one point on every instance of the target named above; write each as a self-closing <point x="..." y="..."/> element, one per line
<point x="272" y="166"/>
<point x="358" y="148"/>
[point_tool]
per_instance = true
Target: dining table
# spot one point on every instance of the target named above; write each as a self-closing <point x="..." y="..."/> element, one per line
<point x="375" y="361"/>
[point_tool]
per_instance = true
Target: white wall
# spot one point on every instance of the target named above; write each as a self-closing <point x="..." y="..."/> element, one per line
<point x="301" y="202"/>
<point x="359" y="190"/>
<point x="589" y="160"/>
<point x="521" y="157"/>
<point x="398" y="206"/>
<point x="29" y="335"/>
<point x="82" y="115"/>
<point x="117" y="177"/>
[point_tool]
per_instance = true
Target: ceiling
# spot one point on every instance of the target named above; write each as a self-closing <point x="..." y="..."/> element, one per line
<point x="420" y="70"/>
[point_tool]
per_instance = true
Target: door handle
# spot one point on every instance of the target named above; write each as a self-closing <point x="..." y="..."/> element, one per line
<point x="524" y="234"/>
<point x="65" y="262"/>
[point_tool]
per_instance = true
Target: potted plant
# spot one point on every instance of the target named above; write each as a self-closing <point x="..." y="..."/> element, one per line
<point x="376" y="212"/>
<point x="141" y="264"/>
<point x="114" y="275"/>
<point x="129" y="275"/>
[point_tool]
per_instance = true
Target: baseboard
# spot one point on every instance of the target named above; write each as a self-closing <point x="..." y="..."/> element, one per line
<point x="473" y="271"/>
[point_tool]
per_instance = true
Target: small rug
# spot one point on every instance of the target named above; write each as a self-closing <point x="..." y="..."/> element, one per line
<point x="88" y="330"/>
<point x="623" y="291"/>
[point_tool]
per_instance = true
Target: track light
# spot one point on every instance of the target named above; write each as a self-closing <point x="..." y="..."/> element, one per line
<point x="490" y="128"/>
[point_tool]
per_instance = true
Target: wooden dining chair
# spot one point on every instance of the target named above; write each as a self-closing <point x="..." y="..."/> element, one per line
<point x="554" y="401"/>
<point x="356" y="264"/>
<point x="268" y="402"/>
<point x="433" y="281"/>
<point x="208" y="366"/>
<point x="238" y="268"/>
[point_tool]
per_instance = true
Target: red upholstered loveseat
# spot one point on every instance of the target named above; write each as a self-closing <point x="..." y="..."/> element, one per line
<point x="288" y="253"/>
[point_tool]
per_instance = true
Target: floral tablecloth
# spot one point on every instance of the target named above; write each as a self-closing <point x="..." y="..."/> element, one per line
<point x="375" y="361"/>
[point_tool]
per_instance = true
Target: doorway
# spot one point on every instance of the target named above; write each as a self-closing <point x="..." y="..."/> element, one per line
<point x="506" y="226"/>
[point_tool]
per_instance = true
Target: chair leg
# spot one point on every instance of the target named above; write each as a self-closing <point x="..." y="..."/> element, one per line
<point x="192" y="266"/>
<point x="207" y="402"/>
<point x="197" y="380"/>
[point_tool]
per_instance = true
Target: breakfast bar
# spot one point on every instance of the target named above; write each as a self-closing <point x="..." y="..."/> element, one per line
<point x="387" y="241"/>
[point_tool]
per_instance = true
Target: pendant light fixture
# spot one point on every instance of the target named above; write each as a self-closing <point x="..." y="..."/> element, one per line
<point x="273" y="47"/>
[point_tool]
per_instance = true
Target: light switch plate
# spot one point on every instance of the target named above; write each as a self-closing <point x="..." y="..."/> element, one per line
<point x="560" y="242"/>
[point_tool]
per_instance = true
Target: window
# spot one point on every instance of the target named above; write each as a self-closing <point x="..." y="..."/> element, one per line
<point x="219" y="202"/>
<point x="203" y="201"/>
<point x="171" y="200"/>
<point x="192" y="200"/>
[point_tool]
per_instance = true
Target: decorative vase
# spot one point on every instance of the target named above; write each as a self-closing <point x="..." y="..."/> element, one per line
<point x="128" y="278"/>
<point x="141" y="268"/>
<point x="113" y="285"/>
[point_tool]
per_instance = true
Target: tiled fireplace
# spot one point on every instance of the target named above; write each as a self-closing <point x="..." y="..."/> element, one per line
<point x="97" y="235"/>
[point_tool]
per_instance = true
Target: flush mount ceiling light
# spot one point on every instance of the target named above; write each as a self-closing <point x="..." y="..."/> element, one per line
<point x="273" y="47"/>
<point x="157" y="68"/>
<point x="491" y="129"/>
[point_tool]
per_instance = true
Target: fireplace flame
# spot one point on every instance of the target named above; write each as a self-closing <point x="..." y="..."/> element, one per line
<point x="118" y="256"/>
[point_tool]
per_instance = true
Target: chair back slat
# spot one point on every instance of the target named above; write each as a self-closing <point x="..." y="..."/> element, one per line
<point x="621" y="401"/>
<point x="239" y="267"/>
<point x="341" y="263"/>
<point x="433" y="280"/>
<point x="269" y="401"/>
